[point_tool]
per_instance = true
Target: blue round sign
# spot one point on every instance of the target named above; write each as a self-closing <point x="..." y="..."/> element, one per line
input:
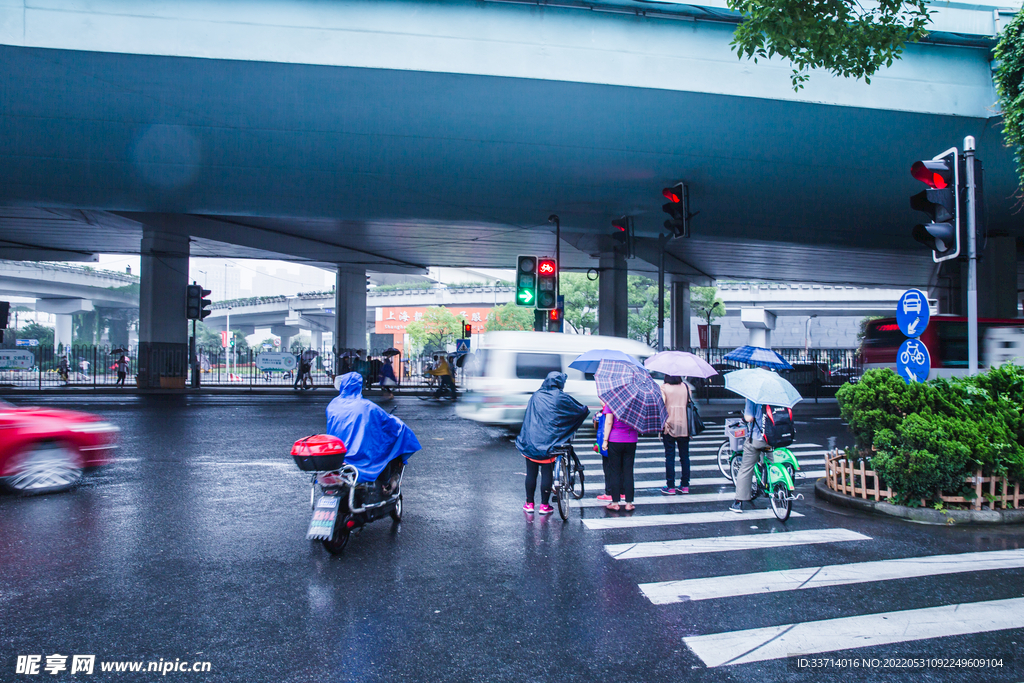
<point x="913" y="362"/>
<point x="912" y="313"/>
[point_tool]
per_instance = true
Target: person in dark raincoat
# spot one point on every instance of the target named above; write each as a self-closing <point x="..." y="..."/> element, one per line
<point x="552" y="416"/>
<point x="374" y="439"/>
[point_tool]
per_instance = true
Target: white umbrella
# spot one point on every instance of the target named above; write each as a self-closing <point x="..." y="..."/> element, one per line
<point x="763" y="387"/>
<point x="680" y="364"/>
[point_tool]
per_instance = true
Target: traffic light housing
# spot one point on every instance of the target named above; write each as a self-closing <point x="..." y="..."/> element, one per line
<point x="467" y="330"/>
<point x="5" y="314"/>
<point x="556" y="317"/>
<point x="547" y="284"/>
<point x="677" y="208"/>
<point x="526" y="281"/>
<point x="197" y="306"/>
<point x="941" y="202"/>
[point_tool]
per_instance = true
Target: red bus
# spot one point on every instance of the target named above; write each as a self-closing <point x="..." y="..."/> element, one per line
<point x="999" y="341"/>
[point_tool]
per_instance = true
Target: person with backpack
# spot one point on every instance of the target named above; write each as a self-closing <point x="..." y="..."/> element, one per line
<point x="753" y="447"/>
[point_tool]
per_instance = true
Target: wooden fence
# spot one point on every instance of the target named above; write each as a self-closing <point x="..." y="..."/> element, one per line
<point x="843" y="476"/>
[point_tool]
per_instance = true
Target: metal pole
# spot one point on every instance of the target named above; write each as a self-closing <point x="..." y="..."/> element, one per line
<point x="227" y="349"/>
<point x="972" y="260"/>
<point x="662" y="241"/>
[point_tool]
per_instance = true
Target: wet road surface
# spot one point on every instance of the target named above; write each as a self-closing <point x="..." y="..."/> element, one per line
<point x="192" y="547"/>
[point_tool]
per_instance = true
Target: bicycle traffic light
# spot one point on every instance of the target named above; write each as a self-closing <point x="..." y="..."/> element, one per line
<point x="941" y="201"/>
<point x="526" y="281"/>
<point x="197" y="307"/>
<point x="547" y="284"/>
<point x="678" y="223"/>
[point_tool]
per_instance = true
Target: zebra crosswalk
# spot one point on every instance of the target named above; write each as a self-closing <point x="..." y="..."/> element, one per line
<point x="698" y="525"/>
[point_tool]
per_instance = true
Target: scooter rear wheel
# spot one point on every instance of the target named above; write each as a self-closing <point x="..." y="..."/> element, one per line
<point x="396" y="512"/>
<point x="339" y="539"/>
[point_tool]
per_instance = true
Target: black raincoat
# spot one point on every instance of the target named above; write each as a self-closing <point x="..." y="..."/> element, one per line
<point x="551" y="418"/>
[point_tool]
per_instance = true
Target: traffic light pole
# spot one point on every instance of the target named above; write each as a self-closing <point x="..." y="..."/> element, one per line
<point x="972" y="259"/>
<point x="662" y="241"/>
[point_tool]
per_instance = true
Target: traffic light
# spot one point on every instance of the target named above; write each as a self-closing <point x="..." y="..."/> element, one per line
<point x="5" y="314"/>
<point x="941" y="201"/>
<point x="197" y="307"/>
<point x="526" y="281"/>
<point x="547" y="284"/>
<point x="556" y="317"/>
<point x="467" y="330"/>
<point x="677" y="208"/>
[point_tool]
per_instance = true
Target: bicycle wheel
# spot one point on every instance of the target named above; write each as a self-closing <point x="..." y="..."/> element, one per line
<point x="576" y="480"/>
<point x="735" y="462"/>
<point x="724" y="456"/>
<point x="564" y="491"/>
<point x="782" y="504"/>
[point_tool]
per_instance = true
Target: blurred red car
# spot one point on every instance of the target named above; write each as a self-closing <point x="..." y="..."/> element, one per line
<point x="44" y="450"/>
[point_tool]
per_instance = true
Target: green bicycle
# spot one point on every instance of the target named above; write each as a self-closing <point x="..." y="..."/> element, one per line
<point x="773" y="477"/>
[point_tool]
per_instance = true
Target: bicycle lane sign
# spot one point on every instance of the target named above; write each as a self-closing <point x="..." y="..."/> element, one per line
<point x="913" y="362"/>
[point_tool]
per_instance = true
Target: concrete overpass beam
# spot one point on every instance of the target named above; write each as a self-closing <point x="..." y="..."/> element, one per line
<point x="680" y="312"/>
<point x="64" y="306"/>
<point x="163" y="325"/>
<point x="759" y="324"/>
<point x="350" y="308"/>
<point x="613" y="295"/>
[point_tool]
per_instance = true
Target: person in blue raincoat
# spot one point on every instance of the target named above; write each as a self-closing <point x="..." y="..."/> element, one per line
<point x="374" y="439"/>
<point x="552" y="416"/>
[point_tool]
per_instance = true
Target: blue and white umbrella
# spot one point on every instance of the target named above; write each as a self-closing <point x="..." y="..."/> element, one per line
<point x="763" y="387"/>
<point x="589" y="360"/>
<point x="758" y="355"/>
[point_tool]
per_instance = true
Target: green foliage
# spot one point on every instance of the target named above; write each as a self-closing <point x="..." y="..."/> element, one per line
<point x="1009" y="78"/>
<point x="435" y="330"/>
<point x="36" y="331"/>
<point x="399" y="286"/>
<point x="510" y="317"/>
<point x="580" y="301"/>
<point x="844" y="37"/>
<point x="706" y="303"/>
<point x="643" y="309"/>
<point x="930" y="436"/>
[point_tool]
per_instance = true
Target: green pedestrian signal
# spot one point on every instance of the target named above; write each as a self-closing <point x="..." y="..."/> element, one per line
<point x="526" y="280"/>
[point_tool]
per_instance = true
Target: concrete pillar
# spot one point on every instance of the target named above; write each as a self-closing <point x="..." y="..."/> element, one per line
<point x="163" y="325"/>
<point x="62" y="332"/>
<point x="350" y="308"/>
<point x="286" y="333"/>
<point x="613" y="293"/>
<point x="317" y="339"/>
<point x="759" y="324"/>
<point x="680" y="313"/>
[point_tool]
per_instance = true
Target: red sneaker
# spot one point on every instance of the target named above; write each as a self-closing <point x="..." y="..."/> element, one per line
<point x="604" y="496"/>
<point x="546" y="509"/>
<point x="527" y="507"/>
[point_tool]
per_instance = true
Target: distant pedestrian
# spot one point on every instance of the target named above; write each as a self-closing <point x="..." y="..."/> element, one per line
<point x="122" y="370"/>
<point x="621" y="455"/>
<point x="387" y="379"/>
<point x="62" y="369"/>
<point x="443" y="370"/>
<point x="676" y="394"/>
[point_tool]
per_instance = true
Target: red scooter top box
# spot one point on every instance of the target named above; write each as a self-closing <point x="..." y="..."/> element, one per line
<point x="319" y="453"/>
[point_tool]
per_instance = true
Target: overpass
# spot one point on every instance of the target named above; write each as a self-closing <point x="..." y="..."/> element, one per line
<point x="390" y="135"/>
<point x="63" y="290"/>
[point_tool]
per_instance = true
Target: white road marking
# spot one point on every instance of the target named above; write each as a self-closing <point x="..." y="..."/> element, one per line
<point x="669" y="592"/>
<point x="718" y="544"/>
<point x="867" y="630"/>
<point x="663" y="500"/>
<point x="679" y="518"/>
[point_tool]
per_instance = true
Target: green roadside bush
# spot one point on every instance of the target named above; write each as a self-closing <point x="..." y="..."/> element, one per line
<point x="928" y="437"/>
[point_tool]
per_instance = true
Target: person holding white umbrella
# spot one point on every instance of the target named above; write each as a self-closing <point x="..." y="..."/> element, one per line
<point x="759" y="387"/>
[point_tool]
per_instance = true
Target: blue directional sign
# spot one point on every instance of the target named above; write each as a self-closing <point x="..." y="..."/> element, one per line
<point x="913" y="362"/>
<point x="912" y="313"/>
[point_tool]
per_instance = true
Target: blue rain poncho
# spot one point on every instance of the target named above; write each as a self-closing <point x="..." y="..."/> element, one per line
<point x="373" y="438"/>
<point x="551" y="418"/>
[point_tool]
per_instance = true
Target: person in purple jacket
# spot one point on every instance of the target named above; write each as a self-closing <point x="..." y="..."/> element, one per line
<point x="621" y="455"/>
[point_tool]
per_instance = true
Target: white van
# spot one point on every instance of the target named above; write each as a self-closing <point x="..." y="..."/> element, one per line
<point x="509" y="366"/>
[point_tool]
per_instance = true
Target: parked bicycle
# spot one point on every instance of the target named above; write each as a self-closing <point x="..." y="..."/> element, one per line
<point x="569" y="479"/>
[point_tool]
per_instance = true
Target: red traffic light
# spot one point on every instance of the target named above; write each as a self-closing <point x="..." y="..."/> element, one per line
<point x="554" y="314"/>
<point x="546" y="267"/>
<point x="673" y="194"/>
<point x="937" y="174"/>
<point x="621" y="224"/>
<point x="467" y="331"/>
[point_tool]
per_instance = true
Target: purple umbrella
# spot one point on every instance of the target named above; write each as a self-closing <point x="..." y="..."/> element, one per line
<point x="632" y="395"/>
<point x="680" y="364"/>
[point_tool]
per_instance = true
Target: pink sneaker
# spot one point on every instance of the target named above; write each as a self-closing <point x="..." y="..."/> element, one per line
<point x="546" y="509"/>
<point x="683" y="489"/>
<point x="528" y="507"/>
<point x="604" y="496"/>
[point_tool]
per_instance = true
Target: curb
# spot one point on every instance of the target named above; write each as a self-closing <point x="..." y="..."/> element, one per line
<point x="921" y="515"/>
